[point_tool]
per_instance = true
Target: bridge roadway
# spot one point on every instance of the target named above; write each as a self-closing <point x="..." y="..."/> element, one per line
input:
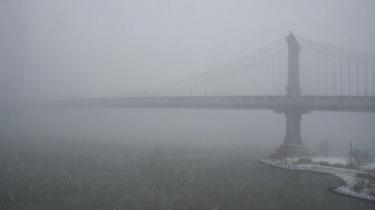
<point x="277" y="103"/>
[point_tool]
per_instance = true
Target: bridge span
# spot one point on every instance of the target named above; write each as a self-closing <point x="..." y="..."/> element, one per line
<point x="276" y="103"/>
<point x="332" y="79"/>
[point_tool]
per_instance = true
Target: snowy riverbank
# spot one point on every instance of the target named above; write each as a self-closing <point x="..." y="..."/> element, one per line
<point x="347" y="175"/>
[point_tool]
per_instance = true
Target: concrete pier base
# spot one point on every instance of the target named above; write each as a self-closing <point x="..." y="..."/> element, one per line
<point x="291" y="150"/>
<point x="292" y="145"/>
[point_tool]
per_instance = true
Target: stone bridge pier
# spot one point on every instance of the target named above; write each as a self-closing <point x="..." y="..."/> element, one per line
<point x="293" y="127"/>
<point x="292" y="144"/>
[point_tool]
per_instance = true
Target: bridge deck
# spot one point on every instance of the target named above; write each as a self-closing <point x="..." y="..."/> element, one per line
<point x="277" y="103"/>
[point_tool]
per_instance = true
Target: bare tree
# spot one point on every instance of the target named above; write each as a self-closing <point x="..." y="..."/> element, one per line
<point x="360" y="157"/>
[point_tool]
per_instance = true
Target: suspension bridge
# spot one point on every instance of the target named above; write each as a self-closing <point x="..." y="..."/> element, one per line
<point x="293" y="76"/>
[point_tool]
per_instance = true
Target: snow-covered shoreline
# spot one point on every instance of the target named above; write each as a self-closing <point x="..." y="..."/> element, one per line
<point x="347" y="175"/>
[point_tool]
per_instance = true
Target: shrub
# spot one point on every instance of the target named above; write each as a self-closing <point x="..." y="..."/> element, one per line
<point x="338" y="165"/>
<point x="351" y="166"/>
<point x="324" y="163"/>
<point x="372" y="191"/>
<point x="304" y="161"/>
<point x="370" y="177"/>
<point x="359" y="185"/>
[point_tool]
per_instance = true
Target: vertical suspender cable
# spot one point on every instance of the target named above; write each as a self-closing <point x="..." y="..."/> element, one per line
<point x="365" y="75"/>
<point x="349" y="76"/>
<point x="341" y="72"/>
<point x="333" y="70"/>
<point x="326" y="73"/>
<point x="313" y="70"/>
<point x="357" y="77"/>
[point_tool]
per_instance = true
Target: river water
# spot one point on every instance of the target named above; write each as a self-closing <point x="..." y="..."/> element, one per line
<point x="168" y="158"/>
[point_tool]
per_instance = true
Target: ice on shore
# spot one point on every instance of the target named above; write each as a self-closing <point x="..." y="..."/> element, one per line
<point x="347" y="175"/>
<point x="330" y="160"/>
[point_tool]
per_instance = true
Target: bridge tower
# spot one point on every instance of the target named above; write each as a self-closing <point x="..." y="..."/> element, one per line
<point x="292" y="145"/>
<point x="293" y="89"/>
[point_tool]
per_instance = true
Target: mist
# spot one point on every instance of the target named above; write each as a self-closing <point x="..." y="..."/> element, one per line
<point x="70" y="50"/>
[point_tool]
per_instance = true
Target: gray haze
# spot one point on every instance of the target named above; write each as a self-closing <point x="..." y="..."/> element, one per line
<point x="60" y="49"/>
<point x="52" y="49"/>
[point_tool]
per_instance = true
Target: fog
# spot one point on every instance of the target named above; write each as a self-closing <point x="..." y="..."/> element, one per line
<point x="77" y="49"/>
<point x="63" y="49"/>
<point x="80" y="49"/>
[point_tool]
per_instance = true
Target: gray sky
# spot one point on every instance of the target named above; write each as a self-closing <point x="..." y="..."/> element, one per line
<point x="82" y="48"/>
